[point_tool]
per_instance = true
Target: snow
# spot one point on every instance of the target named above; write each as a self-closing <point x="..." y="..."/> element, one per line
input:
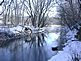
<point x="72" y="50"/>
<point x="16" y="29"/>
<point x="1" y="22"/>
<point x="61" y="57"/>
<point x="4" y="29"/>
<point x="19" y="28"/>
<point x="71" y="35"/>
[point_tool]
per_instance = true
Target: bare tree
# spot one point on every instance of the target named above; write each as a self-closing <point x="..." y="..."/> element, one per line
<point x="69" y="13"/>
<point x="2" y="2"/>
<point x="38" y="10"/>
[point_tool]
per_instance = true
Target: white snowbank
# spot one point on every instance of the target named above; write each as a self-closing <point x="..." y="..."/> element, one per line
<point x="4" y="29"/>
<point x="71" y="35"/>
<point x="72" y="50"/>
<point x="16" y="29"/>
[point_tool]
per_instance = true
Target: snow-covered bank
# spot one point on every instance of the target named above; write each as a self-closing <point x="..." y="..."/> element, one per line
<point x="20" y="28"/>
<point x="72" y="49"/>
<point x="70" y="53"/>
<point x="16" y="29"/>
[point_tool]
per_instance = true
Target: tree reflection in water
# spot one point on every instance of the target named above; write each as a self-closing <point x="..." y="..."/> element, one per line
<point x="37" y="38"/>
<point x="25" y="50"/>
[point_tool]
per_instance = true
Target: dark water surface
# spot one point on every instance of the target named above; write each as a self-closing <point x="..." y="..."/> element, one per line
<point x="19" y="50"/>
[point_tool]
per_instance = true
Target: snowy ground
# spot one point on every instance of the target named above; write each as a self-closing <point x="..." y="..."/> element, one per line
<point x="69" y="53"/>
<point x="19" y="28"/>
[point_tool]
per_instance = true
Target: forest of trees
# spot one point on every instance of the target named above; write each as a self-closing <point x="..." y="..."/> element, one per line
<point x="38" y="10"/>
<point x="70" y="13"/>
<point x="17" y="10"/>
